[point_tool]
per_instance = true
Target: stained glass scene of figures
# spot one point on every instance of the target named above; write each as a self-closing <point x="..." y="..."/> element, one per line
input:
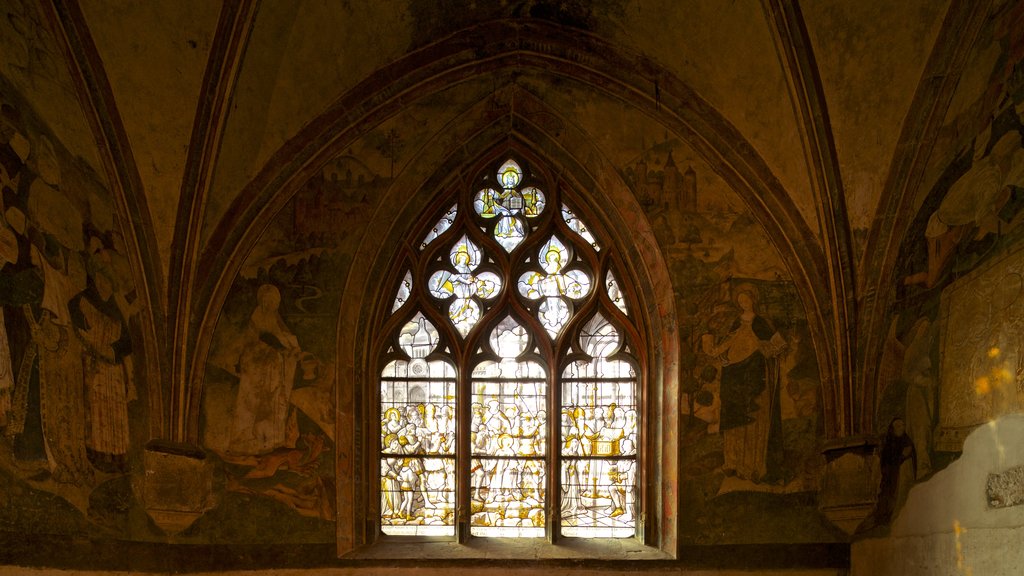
<point x="418" y="425"/>
<point x="599" y="438"/>
<point x="508" y="439"/>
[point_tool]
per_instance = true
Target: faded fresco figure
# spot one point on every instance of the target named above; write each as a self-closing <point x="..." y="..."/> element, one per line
<point x="61" y="378"/>
<point x="104" y="336"/>
<point x="315" y="396"/>
<point x="971" y="208"/>
<point x="922" y="392"/>
<point x="266" y="367"/>
<point x="899" y="464"/>
<point x="751" y="419"/>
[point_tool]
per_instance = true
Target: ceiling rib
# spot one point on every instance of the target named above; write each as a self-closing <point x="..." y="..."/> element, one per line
<point x="793" y="45"/>
<point x="220" y="79"/>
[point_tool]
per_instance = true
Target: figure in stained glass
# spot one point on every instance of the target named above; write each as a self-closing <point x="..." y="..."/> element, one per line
<point x="464" y="285"/>
<point x="552" y="283"/>
<point x="509" y="206"/>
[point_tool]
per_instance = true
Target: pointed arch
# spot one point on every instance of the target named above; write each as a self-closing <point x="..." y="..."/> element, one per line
<point x="512" y="289"/>
<point x="548" y="49"/>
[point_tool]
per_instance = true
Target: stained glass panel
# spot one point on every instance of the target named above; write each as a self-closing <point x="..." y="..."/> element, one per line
<point x="599" y="338"/>
<point x="508" y="437"/>
<point x="579" y="227"/>
<point x="553" y="315"/>
<point x="417" y="496"/>
<point x="488" y="284"/>
<point x="598" y="419"/>
<point x="483" y="204"/>
<point x="509" y="205"/>
<point x="404" y="289"/>
<point x="442" y="225"/>
<point x="465" y="256"/>
<point x="509" y="339"/>
<point x="552" y="283"/>
<point x="509" y="232"/>
<point x="464" y="311"/>
<point x="533" y="202"/>
<point x="599" y="428"/>
<point x="489" y="203"/>
<point x="598" y="498"/>
<point x="417" y="465"/>
<point x="509" y="415"/>
<point x="418" y="337"/>
<point x="510" y="174"/>
<point x="507" y="497"/>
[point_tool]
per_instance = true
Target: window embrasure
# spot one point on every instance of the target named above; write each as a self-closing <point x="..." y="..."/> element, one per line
<point x="509" y="388"/>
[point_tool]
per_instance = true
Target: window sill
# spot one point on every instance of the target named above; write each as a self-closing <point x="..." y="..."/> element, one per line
<point x="403" y="548"/>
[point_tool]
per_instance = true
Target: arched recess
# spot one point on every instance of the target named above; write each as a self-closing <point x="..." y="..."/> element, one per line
<point x="545" y="49"/>
<point x="609" y="203"/>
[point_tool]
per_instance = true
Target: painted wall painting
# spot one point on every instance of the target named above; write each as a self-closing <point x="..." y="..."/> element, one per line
<point x="268" y="408"/>
<point x="751" y="414"/>
<point x="951" y="359"/>
<point x="990" y="81"/>
<point x="69" y="400"/>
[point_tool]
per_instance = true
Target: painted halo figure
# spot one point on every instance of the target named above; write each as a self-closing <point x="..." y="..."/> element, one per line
<point x="750" y="418"/>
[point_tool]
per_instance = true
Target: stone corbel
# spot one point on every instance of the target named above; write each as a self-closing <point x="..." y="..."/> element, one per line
<point x="849" y="487"/>
<point x="177" y="488"/>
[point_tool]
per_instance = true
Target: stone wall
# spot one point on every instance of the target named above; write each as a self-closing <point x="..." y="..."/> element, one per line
<point x="949" y="524"/>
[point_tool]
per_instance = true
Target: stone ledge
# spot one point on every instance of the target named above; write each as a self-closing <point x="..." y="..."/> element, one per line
<point x="399" y="548"/>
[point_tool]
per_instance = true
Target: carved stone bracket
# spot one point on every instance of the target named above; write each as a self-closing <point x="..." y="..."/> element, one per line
<point x="178" y="485"/>
<point x="849" y="486"/>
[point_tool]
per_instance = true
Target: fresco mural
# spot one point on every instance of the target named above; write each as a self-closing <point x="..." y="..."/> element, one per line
<point x="269" y="398"/>
<point x="952" y="357"/>
<point x="69" y="400"/>
<point x="749" y="376"/>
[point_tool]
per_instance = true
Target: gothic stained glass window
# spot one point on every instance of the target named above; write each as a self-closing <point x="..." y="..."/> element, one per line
<point x="485" y="340"/>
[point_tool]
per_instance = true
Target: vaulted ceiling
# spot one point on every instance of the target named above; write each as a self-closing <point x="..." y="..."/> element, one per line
<point x="203" y="118"/>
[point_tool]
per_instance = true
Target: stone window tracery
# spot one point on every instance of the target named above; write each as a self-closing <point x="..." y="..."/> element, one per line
<point x="510" y="393"/>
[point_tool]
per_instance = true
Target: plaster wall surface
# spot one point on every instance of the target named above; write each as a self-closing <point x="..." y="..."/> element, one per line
<point x="947" y="526"/>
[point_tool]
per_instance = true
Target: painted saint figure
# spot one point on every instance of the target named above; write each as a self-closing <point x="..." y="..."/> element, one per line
<point x="266" y="367"/>
<point x="104" y="337"/>
<point x="750" y="417"/>
<point x="61" y="378"/>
